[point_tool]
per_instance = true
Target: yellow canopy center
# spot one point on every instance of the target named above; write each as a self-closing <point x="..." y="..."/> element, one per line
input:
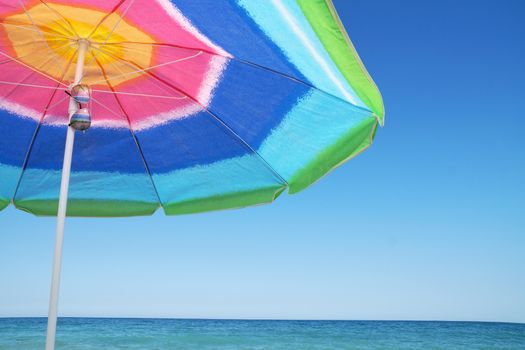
<point x="46" y="37"/>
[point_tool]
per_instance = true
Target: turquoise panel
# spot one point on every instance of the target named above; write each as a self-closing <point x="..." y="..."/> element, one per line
<point x="236" y="175"/>
<point x="316" y="123"/>
<point x="287" y="26"/>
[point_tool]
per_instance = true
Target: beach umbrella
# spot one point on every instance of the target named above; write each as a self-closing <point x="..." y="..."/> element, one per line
<point x="121" y="107"/>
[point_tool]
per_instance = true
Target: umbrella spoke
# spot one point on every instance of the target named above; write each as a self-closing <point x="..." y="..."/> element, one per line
<point x="138" y="50"/>
<point x="18" y="45"/>
<point x="61" y="17"/>
<point x="29" y="27"/>
<point x="148" y="72"/>
<point x="21" y="82"/>
<point x="96" y="101"/>
<point x="94" y="57"/>
<point x="40" y="32"/>
<point x="66" y="97"/>
<point x="118" y="68"/>
<point x="30" y="85"/>
<point x="11" y="59"/>
<point x="122" y="43"/>
<point x="115" y="9"/>
<point x="139" y="69"/>
<point x="138" y="95"/>
<point x="31" y="68"/>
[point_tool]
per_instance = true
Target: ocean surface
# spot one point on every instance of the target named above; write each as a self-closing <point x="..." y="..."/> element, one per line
<point x="90" y="333"/>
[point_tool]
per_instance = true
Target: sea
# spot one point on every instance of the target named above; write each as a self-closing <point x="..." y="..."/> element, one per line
<point x="108" y="333"/>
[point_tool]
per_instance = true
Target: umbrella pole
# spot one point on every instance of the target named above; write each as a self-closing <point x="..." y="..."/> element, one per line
<point x="62" y="206"/>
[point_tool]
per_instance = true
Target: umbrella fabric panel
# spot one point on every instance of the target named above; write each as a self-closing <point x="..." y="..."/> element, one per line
<point x="253" y="101"/>
<point x="286" y="25"/>
<point x="197" y="140"/>
<point x="10" y="176"/>
<point x="232" y="183"/>
<point x="323" y="18"/>
<point x="318" y="134"/>
<point x="108" y="178"/>
<point x="91" y="194"/>
<point x="100" y="149"/>
<point x="200" y="164"/>
<point x="15" y="136"/>
<point x="231" y="27"/>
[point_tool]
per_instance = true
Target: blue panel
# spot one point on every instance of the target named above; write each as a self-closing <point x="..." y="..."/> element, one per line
<point x="185" y="143"/>
<point x="235" y="175"/>
<point x="229" y="26"/>
<point x="253" y="101"/>
<point x="316" y="123"/>
<point x="98" y="149"/>
<point x="15" y="136"/>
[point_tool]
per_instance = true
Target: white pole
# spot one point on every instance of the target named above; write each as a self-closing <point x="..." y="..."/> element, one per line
<point x="62" y="206"/>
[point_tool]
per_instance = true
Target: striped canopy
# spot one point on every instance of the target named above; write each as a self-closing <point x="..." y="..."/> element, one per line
<point x="197" y="105"/>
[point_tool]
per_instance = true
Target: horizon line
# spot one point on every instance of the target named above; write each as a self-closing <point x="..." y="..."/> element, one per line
<point x="260" y="319"/>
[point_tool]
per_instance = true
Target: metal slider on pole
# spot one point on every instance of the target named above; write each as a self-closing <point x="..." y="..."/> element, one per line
<point x="83" y="46"/>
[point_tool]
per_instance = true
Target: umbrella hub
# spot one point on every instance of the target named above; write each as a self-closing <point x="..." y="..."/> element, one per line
<point x="80" y="118"/>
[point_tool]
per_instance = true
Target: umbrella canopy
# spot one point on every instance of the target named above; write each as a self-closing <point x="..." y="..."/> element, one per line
<point x="195" y="105"/>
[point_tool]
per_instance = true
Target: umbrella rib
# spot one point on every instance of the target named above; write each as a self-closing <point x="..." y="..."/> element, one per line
<point x="11" y="59"/>
<point x="106" y="108"/>
<point x="33" y="69"/>
<point x="35" y="133"/>
<point x="141" y="70"/>
<point x="132" y="132"/>
<point x="214" y="116"/>
<point x="31" y="85"/>
<point x="245" y="62"/>
<point x="29" y="43"/>
<point x="61" y="17"/>
<point x="112" y="30"/>
<point x="58" y="102"/>
<point x="26" y="27"/>
<point x="117" y="43"/>
<point x="181" y="97"/>
<point x="136" y="94"/>
<point x="40" y="32"/>
<point x="21" y="83"/>
<point x="115" y="8"/>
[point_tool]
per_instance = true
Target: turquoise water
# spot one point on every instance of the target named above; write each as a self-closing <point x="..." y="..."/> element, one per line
<point x="82" y="333"/>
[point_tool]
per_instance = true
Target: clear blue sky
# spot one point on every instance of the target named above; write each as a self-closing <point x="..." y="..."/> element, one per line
<point x="437" y="232"/>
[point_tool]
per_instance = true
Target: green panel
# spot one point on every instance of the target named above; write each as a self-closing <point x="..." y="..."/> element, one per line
<point x="226" y="201"/>
<point x="4" y="203"/>
<point x="350" y="145"/>
<point x="326" y="23"/>
<point x="89" y="208"/>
